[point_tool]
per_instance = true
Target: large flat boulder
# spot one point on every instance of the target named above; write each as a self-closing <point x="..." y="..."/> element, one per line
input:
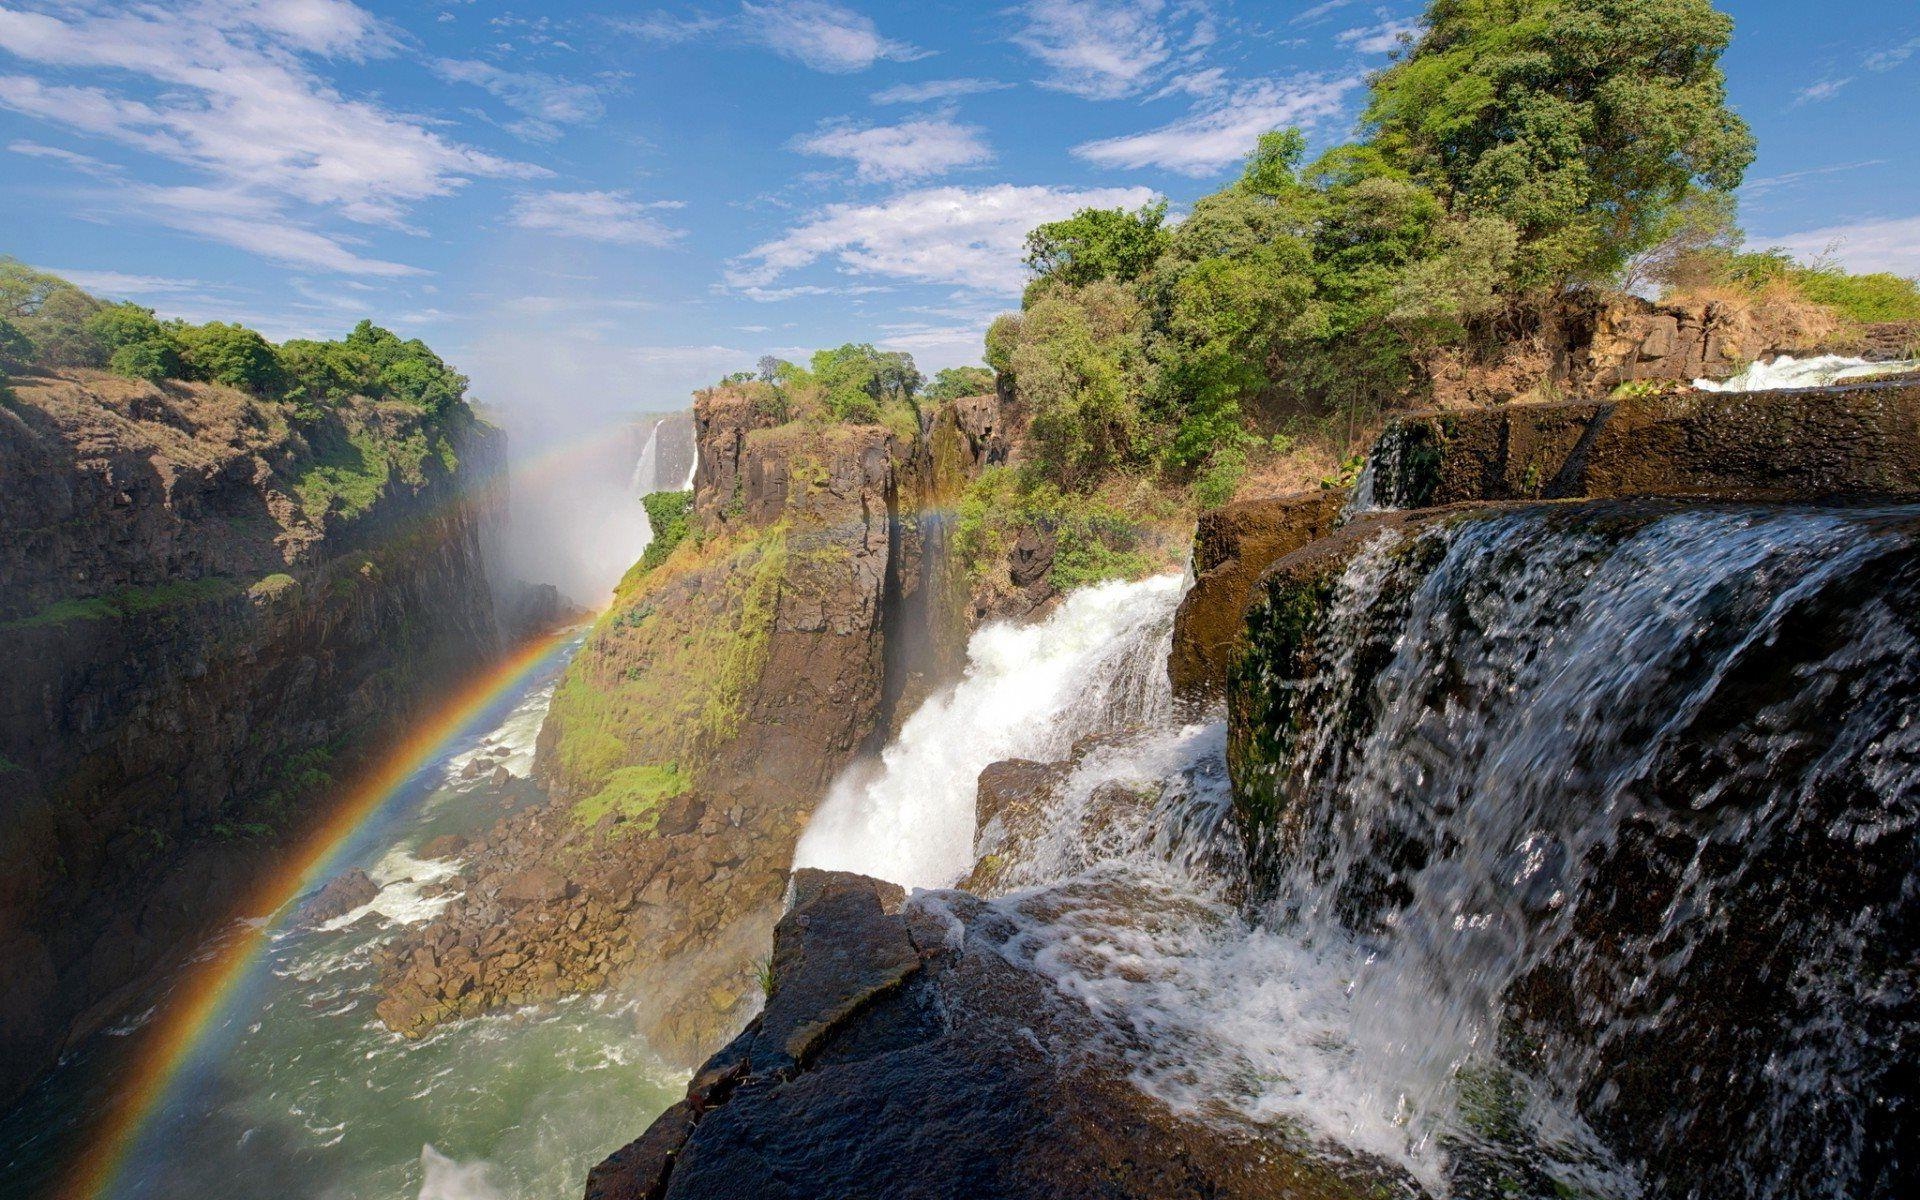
<point x="1846" y="443"/>
<point x="957" y="1080"/>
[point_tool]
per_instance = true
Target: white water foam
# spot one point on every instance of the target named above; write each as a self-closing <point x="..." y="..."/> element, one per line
<point x="1789" y="372"/>
<point x="1030" y="691"/>
<point x="441" y="1178"/>
<point x="510" y="745"/>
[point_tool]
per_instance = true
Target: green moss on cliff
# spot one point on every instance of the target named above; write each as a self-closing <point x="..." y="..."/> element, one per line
<point x="1095" y="537"/>
<point x="667" y="672"/>
<point x="128" y="602"/>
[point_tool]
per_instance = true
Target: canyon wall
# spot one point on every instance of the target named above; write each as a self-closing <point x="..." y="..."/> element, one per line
<point x="206" y="601"/>
<point x="808" y="606"/>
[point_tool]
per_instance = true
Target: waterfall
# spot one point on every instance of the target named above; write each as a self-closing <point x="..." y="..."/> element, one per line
<point x="646" y="471"/>
<point x="1591" y="864"/>
<point x="1820" y="371"/>
<point x="1096" y="664"/>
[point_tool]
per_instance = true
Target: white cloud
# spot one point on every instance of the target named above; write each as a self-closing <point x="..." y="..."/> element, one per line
<point x="969" y="237"/>
<point x="595" y="216"/>
<point x="1889" y="245"/>
<point x="1892" y="56"/>
<point x="1383" y="38"/>
<point x="1759" y="187"/>
<point x="1826" y="89"/>
<point x="1318" y="11"/>
<point x="892" y="153"/>
<point x="113" y="284"/>
<point x="254" y="223"/>
<point x="821" y="35"/>
<point x="1098" y="49"/>
<point x="545" y="99"/>
<point x="225" y="87"/>
<point x="1224" y="131"/>
<point x="936" y="89"/>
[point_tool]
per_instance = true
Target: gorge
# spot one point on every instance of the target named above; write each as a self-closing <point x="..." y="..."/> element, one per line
<point x="1385" y="664"/>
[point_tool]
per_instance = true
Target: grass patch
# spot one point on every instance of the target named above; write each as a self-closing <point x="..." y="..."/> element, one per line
<point x="349" y="478"/>
<point x="634" y="794"/>
<point x="128" y="602"/>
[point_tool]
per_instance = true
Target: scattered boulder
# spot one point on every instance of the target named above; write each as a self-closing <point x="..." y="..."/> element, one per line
<point x="341" y="895"/>
<point x="447" y="845"/>
<point x="535" y="885"/>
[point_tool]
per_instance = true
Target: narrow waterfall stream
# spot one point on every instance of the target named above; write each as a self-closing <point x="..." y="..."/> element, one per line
<point x="1541" y="911"/>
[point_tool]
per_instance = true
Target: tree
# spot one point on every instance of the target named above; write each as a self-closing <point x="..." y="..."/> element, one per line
<point x="1099" y="243"/>
<point x="856" y="379"/>
<point x="231" y="354"/>
<point x="407" y="370"/>
<point x="953" y="383"/>
<point x="769" y="368"/>
<point x="136" y="343"/>
<point x="16" y="348"/>
<point x="1082" y="370"/>
<point x="52" y="313"/>
<point x="326" y="373"/>
<point x="1582" y="123"/>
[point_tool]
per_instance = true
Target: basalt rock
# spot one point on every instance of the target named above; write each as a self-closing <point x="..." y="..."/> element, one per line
<point x="1231" y="547"/>
<point x="933" y="1067"/>
<point x="341" y="895"/>
<point x="195" y="614"/>
<point x="1847" y="443"/>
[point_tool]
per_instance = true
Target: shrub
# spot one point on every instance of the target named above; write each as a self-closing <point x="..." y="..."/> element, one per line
<point x="952" y="383"/>
<point x="231" y="354"/>
<point x="669" y="514"/>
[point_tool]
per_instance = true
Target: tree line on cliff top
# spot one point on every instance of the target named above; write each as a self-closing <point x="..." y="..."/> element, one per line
<point x="1518" y="151"/>
<point x="48" y="323"/>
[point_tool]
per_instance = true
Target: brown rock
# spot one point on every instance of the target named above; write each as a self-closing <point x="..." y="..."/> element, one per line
<point x="535" y="885"/>
<point x="1231" y="547"/>
<point x="341" y="895"/>
<point x="447" y="845"/>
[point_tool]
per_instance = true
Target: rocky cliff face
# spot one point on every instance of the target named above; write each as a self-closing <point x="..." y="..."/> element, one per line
<point x="203" y="603"/>
<point x="703" y="719"/>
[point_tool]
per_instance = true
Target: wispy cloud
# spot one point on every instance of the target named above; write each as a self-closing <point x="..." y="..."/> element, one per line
<point x="1093" y="48"/>
<point x="1768" y="183"/>
<point x="115" y="284"/>
<point x="824" y="36"/>
<point x="1306" y="16"/>
<point x="596" y="216"/>
<point x="892" y="153"/>
<point x="1223" y="131"/>
<point x="1826" y="89"/>
<point x="1383" y="38"/>
<point x="936" y="89"/>
<point x="1892" y="56"/>
<point x="1880" y="245"/>
<point x="224" y="87"/>
<point x="966" y="237"/>
<point x="546" y="101"/>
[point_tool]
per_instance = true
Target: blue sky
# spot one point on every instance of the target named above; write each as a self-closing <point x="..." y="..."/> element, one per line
<point x="593" y="207"/>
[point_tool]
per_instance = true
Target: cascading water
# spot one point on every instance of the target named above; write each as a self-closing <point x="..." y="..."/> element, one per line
<point x="1587" y="864"/>
<point x="646" y="468"/>
<point x="1820" y="371"/>
<point x="1094" y="666"/>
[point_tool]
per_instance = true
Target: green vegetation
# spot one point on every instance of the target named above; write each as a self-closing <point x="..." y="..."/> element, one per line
<point x="347" y="477"/>
<point x="953" y="383"/>
<point x="1520" y="151"/>
<point x="634" y="794"/>
<point x="1094" y="539"/>
<point x="129" y="602"/>
<point x="669" y="515"/>
<point x="47" y="322"/>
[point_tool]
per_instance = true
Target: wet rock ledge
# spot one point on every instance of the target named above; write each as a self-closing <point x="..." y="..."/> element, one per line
<point x="901" y="1054"/>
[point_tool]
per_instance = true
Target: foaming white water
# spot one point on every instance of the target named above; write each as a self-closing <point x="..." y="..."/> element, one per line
<point x="510" y="745"/>
<point x="1030" y="691"/>
<point x="1789" y="372"/>
<point x="441" y="1178"/>
<point x="402" y="879"/>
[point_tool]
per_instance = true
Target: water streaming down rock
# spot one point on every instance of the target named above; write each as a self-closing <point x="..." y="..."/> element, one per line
<point x="646" y="468"/>
<point x="1621" y="804"/>
<point x="1094" y="666"/>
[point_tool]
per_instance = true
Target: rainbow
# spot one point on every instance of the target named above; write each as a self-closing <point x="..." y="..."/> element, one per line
<point x="200" y="1000"/>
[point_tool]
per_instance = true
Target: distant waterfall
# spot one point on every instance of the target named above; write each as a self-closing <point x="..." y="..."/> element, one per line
<point x="646" y="469"/>
<point x="1030" y="691"/>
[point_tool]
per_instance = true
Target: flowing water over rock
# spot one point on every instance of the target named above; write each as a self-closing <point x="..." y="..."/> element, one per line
<point x="302" y="1092"/>
<point x="1029" y="691"/>
<point x="1585" y="862"/>
<point x="1821" y="370"/>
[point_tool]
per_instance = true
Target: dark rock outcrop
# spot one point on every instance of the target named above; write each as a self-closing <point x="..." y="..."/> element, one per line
<point x="1861" y="441"/>
<point x="1231" y="547"/>
<point x="202" y="599"/>
<point x="904" y="1055"/>
<point x="341" y="895"/>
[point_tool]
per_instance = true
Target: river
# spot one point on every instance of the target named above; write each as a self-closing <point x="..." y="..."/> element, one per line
<point x="297" y="1090"/>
